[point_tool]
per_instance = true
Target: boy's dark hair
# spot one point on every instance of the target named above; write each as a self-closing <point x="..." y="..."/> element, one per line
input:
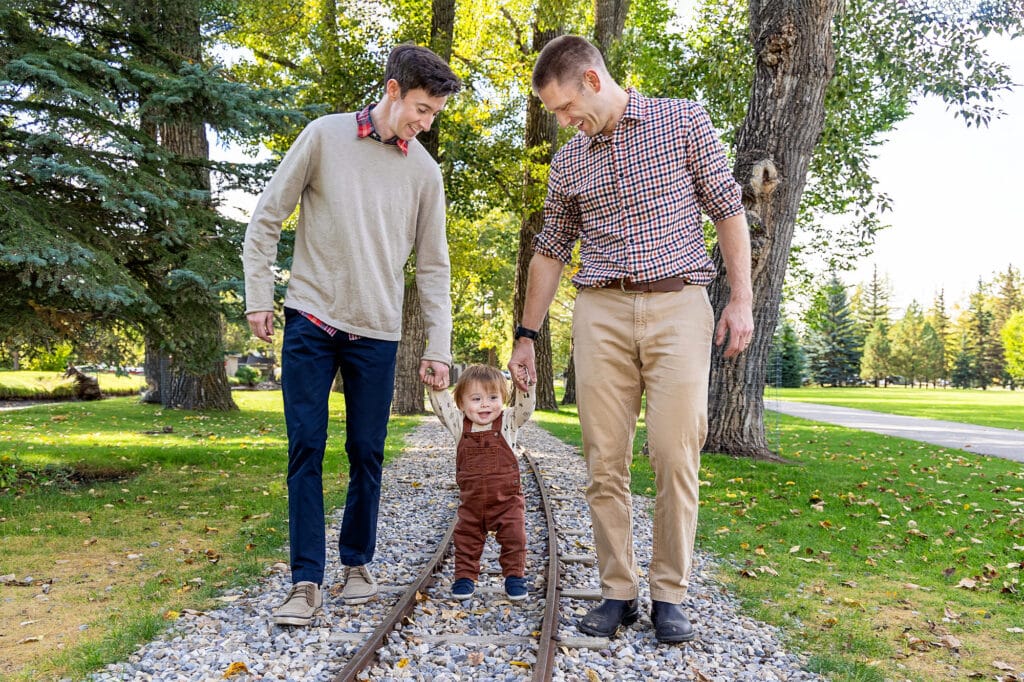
<point x="563" y="59"/>
<point x="414" y="67"/>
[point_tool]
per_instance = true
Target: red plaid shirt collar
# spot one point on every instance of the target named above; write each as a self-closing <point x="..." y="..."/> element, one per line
<point x="366" y="129"/>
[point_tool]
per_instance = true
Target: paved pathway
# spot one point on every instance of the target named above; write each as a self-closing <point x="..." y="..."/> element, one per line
<point x="981" y="440"/>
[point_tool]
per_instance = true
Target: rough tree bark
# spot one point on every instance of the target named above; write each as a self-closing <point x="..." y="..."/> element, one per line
<point x="795" y="59"/>
<point x="609" y="21"/>
<point x="408" y="397"/>
<point x="569" y="398"/>
<point x="541" y="140"/>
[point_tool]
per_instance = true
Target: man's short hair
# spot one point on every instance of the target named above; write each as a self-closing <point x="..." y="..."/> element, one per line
<point x="564" y="59"/>
<point x="415" y="67"/>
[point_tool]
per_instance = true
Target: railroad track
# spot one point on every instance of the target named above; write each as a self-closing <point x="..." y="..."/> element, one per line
<point x="422" y="597"/>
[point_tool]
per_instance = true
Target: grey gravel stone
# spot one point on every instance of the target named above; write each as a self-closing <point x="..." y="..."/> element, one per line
<point x="419" y="498"/>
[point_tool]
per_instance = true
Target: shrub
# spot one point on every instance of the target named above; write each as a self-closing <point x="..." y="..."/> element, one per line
<point x="247" y="375"/>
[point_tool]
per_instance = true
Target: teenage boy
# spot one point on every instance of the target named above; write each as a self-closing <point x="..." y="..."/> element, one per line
<point x="370" y="194"/>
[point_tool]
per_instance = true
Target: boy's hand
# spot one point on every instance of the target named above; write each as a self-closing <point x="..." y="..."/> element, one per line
<point x="434" y="374"/>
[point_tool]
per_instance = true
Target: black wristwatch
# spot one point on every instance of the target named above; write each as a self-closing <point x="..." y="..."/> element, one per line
<point x="525" y="333"/>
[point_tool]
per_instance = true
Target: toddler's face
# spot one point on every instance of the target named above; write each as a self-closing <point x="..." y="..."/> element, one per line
<point x="480" y="405"/>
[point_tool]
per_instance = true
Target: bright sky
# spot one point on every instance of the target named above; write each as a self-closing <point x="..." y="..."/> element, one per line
<point x="955" y="193"/>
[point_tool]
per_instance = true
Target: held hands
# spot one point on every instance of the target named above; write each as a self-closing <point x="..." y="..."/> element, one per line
<point x="434" y="374"/>
<point x="522" y="365"/>
<point x="738" y="322"/>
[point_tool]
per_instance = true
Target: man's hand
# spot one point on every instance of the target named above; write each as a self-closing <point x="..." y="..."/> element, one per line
<point x="262" y="325"/>
<point x="434" y="374"/>
<point x="738" y="322"/>
<point x="521" y="366"/>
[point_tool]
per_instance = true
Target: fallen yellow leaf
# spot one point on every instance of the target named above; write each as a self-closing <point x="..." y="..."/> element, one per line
<point x="234" y="669"/>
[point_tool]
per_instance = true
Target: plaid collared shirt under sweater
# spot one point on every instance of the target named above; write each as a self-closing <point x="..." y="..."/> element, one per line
<point x="634" y="198"/>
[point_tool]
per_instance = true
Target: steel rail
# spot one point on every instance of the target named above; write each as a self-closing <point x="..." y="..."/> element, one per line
<point x="546" y="646"/>
<point x="367" y="652"/>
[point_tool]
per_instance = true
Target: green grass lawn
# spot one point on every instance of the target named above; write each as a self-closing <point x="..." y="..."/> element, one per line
<point x="26" y="385"/>
<point x="994" y="407"/>
<point x="884" y="558"/>
<point x="135" y="513"/>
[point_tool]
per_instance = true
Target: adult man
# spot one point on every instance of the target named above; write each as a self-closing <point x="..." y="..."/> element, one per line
<point x="370" y="194"/>
<point x="631" y="189"/>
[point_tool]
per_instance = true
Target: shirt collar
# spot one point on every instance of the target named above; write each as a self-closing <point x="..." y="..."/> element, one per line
<point x="365" y="128"/>
<point x="636" y="108"/>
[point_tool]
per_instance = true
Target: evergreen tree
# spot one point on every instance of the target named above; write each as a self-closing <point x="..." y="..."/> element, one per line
<point x="985" y="346"/>
<point x="833" y="357"/>
<point x="870" y="301"/>
<point x="875" y="359"/>
<point x="907" y="357"/>
<point x="940" y="322"/>
<point x="962" y="374"/>
<point x="102" y="222"/>
<point x="786" y="363"/>
<point x="1013" y="347"/>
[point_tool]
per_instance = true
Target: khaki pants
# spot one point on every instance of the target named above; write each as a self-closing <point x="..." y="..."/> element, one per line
<point x="627" y="344"/>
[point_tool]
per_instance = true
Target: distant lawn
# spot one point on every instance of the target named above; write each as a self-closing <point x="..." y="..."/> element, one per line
<point x="26" y="385"/>
<point x="883" y="558"/>
<point x="995" y="407"/>
<point x="129" y="513"/>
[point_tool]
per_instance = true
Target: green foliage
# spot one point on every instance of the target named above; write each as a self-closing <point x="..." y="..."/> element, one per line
<point x="786" y="362"/>
<point x="247" y="375"/>
<point x="889" y="53"/>
<point x="875" y="359"/>
<point x="1013" y="346"/>
<point x="833" y="340"/>
<point x="52" y="359"/>
<point x="104" y="226"/>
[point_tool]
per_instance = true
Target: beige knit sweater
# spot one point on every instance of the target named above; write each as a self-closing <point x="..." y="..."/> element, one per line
<point x="364" y="208"/>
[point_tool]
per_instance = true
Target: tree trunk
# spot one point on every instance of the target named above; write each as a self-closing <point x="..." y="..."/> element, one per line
<point x="155" y="368"/>
<point x="795" y="59"/>
<point x="609" y="20"/>
<point x="541" y="139"/>
<point x="569" y="398"/>
<point x="408" y="395"/>
<point x="178" y="26"/>
<point x="187" y="391"/>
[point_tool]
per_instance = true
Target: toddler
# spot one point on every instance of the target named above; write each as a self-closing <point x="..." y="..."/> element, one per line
<point x="487" y="472"/>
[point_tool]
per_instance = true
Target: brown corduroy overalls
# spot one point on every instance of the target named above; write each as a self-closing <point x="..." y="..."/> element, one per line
<point x="490" y="498"/>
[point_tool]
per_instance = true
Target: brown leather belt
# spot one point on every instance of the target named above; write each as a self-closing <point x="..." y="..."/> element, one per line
<point x="626" y="284"/>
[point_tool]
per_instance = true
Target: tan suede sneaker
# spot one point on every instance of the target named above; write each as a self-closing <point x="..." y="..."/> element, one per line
<point x="303" y="602"/>
<point x="360" y="587"/>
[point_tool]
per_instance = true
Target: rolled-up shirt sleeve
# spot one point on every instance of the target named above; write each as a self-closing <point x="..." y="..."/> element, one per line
<point x="718" y="193"/>
<point x="561" y="220"/>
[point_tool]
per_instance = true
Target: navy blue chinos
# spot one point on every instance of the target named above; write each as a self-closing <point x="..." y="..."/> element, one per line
<point x="310" y="359"/>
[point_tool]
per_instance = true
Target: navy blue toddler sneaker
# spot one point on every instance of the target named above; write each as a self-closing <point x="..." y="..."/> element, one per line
<point x="463" y="588"/>
<point x="515" y="588"/>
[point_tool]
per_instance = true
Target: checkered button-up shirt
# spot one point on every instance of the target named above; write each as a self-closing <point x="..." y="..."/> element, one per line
<point x="634" y="198"/>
